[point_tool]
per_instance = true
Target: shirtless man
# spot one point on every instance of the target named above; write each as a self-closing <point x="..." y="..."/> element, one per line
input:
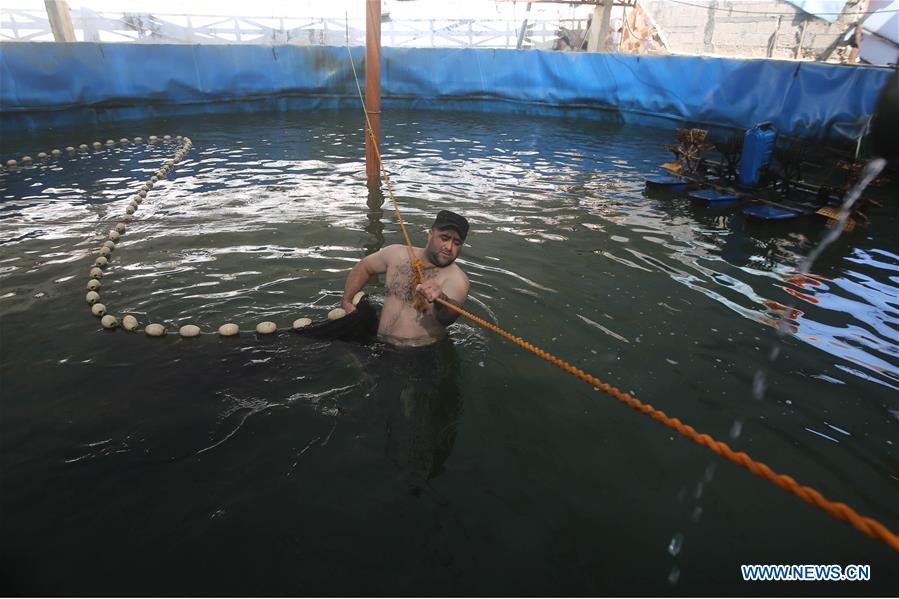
<point x="401" y="323"/>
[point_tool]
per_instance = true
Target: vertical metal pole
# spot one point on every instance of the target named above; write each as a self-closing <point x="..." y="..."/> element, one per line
<point x="373" y="87"/>
<point x="798" y="51"/>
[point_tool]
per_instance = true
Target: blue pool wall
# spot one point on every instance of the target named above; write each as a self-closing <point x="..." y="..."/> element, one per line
<point x="48" y="85"/>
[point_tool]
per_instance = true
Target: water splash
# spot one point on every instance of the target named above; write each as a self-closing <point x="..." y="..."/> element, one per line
<point x="869" y="173"/>
<point x="674" y="546"/>
<point x="871" y="170"/>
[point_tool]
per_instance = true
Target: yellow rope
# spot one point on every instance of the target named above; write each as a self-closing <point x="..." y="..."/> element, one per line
<point x="840" y="511"/>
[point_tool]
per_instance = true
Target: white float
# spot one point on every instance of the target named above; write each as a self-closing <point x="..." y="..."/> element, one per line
<point x="129" y="323"/>
<point x="154" y="330"/>
<point x="266" y="328"/>
<point x="189" y="330"/>
<point x="229" y="330"/>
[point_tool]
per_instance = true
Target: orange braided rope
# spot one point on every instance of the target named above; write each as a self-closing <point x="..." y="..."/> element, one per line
<point x="838" y="510"/>
<point x="417" y="278"/>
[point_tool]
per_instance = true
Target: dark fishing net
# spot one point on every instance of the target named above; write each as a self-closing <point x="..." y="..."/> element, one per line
<point x="361" y="325"/>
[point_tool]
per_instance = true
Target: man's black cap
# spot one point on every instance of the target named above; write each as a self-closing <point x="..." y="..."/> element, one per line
<point x="450" y="220"/>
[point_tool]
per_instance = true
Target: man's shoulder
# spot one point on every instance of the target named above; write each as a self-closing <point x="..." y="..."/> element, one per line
<point x="457" y="273"/>
<point x="394" y="252"/>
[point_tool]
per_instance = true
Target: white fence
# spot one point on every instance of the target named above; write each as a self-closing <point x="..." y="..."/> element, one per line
<point x="90" y="26"/>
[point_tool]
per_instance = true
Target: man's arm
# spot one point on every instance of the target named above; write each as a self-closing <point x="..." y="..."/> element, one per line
<point x="455" y="292"/>
<point x="373" y="264"/>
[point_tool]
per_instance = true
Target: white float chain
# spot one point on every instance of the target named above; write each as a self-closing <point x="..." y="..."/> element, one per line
<point x="130" y="322"/>
<point x="108" y="321"/>
<point x="70" y="150"/>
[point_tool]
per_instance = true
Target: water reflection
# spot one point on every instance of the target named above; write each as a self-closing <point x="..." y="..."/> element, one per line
<point x="412" y="408"/>
<point x="375" y="226"/>
<point x="663" y="296"/>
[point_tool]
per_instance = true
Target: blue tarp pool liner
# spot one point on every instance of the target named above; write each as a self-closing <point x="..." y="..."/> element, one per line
<point x="59" y="84"/>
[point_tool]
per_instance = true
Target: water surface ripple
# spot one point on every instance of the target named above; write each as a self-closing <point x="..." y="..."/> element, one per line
<point x="299" y="466"/>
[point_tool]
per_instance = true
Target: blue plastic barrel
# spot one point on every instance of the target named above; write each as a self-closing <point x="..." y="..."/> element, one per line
<point x="758" y="144"/>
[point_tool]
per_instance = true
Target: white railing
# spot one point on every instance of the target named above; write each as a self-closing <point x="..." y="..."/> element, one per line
<point x="90" y="26"/>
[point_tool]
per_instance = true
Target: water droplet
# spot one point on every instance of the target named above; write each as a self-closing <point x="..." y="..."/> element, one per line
<point x="676" y="543"/>
<point x="759" y="385"/>
<point x="736" y="430"/>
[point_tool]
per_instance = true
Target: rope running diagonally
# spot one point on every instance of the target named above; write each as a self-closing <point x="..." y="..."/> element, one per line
<point x="840" y="511"/>
<point x="417" y="276"/>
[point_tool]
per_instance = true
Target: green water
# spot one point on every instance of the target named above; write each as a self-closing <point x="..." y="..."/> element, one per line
<point x="283" y="465"/>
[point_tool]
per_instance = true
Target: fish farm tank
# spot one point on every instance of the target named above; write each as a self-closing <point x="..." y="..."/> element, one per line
<point x="678" y="363"/>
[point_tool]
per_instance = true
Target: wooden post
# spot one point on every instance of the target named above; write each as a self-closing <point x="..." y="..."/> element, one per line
<point x="599" y="27"/>
<point x="524" y="27"/>
<point x="60" y="20"/>
<point x="373" y="88"/>
<point x="604" y="25"/>
<point x="593" y="34"/>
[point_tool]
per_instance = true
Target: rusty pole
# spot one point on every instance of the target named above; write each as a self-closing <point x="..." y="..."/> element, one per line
<point x="373" y="87"/>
